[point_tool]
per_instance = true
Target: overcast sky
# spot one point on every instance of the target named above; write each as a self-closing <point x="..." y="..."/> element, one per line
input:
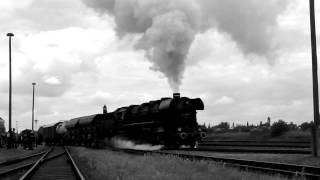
<point x="247" y="60"/>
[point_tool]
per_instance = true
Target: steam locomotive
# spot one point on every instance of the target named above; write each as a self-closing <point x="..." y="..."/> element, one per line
<point x="168" y="121"/>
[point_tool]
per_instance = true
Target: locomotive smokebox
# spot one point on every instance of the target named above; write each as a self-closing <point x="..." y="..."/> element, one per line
<point x="176" y="95"/>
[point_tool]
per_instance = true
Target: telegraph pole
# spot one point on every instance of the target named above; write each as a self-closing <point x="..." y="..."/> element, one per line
<point x="10" y="92"/>
<point x="315" y="81"/>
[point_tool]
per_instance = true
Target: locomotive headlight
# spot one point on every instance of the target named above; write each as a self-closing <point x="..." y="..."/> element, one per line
<point x="179" y="129"/>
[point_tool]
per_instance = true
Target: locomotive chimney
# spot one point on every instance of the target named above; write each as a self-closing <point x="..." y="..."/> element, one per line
<point x="105" y="109"/>
<point x="176" y="95"/>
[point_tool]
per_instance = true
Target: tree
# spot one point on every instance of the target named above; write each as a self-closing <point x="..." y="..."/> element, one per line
<point x="223" y="126"/>
<point x="278" y="128"/>
<point x="306" y="125"/>
<point x="293" y="126"/>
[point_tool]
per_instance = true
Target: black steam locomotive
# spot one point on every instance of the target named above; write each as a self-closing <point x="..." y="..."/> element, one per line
<point x="168" y="121"/>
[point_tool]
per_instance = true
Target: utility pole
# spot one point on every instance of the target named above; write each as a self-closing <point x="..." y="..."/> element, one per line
<point x="315" y="81"/>
<point x="33" y="84"/>
<point x="10" y="93"/>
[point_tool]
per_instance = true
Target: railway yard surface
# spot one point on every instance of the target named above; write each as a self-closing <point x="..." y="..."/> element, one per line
<point x="114" y="164"/>
<point x="54" y="163"/>
<point x="10" y="154"/>
<point x="109" y="164"/>
<point x="300" y="159"/>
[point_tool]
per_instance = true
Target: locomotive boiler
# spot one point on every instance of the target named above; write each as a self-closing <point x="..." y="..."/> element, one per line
<point x="168" y="121"/>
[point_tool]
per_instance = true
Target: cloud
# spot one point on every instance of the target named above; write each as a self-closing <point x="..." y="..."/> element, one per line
<point x="168" y="28"/>
<point x="224" y="100"/>
<point x="52" y="80"/>
<point x="89" y="57"/>
<point x="283" y="90"/>
<point x="250" y="23"/>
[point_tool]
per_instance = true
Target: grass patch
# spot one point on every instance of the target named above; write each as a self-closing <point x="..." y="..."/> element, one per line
<point x="105" y="164"/>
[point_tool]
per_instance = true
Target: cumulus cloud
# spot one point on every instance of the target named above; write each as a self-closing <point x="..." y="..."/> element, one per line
<point x="250" y="23"/>
<point x="281" y="91"/>
<point x="224" y="100"/>
<point x="52" y="80"/>
<point x="103" y="55"/>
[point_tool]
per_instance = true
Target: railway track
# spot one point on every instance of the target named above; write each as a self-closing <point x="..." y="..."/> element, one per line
<point x="258" y="141"/>
<point x="239" y="144"/>
<point x="248" y="150"/>
<point x="286" y="147"/>
<point x="13" y="168"/>
<point x="285" y="169"/>
<point x="56" y="163"/>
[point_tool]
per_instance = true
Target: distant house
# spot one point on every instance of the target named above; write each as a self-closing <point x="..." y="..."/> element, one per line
<point x="2" y="128"/>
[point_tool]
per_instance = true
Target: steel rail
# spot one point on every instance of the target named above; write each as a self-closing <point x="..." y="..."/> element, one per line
<point x="255" y="145"/>
<point x="25" y="166"/>
<point x="19" y="159"/>
<point x="35" y="166"/>
<point x="257" y="141"/>
<point x="243" y="150"/>
<point x="16" y="169"/>
<point x="291" y="170"/>
<point x="74" y="165"/>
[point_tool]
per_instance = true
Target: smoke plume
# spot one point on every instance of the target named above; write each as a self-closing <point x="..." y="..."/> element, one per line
<point x="168" y="27"/>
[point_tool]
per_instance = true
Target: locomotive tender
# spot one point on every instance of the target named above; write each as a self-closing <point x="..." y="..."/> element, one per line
<point x="168" y="121"/>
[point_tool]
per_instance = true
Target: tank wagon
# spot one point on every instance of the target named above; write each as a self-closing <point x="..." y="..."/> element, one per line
<point x="168" y="121"/>
<point x="50" y="133"/>
<point x="89" y="130"/>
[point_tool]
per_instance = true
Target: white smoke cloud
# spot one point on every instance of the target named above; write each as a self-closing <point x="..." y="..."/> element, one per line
<point x="168" y="27"/>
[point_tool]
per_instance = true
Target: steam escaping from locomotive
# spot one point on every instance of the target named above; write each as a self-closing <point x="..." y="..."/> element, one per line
<point x="122" y="143"/>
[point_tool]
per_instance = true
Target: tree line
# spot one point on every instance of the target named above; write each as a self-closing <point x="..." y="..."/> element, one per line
<point x="277" y="128"/>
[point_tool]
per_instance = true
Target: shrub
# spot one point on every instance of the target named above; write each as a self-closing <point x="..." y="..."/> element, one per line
<point x="240" y="128"/>
<point x="224" y="126"/>
<point x="306" y="125"/>
<point x="279" y="128"/>
<point x="260" y="132"/>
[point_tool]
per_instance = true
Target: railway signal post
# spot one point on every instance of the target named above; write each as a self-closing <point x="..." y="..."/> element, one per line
<point x="35" y="142"/>
<point x="315" y="80"/>
<point x="10" y="93"/>
<point x="33" y="84"/>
